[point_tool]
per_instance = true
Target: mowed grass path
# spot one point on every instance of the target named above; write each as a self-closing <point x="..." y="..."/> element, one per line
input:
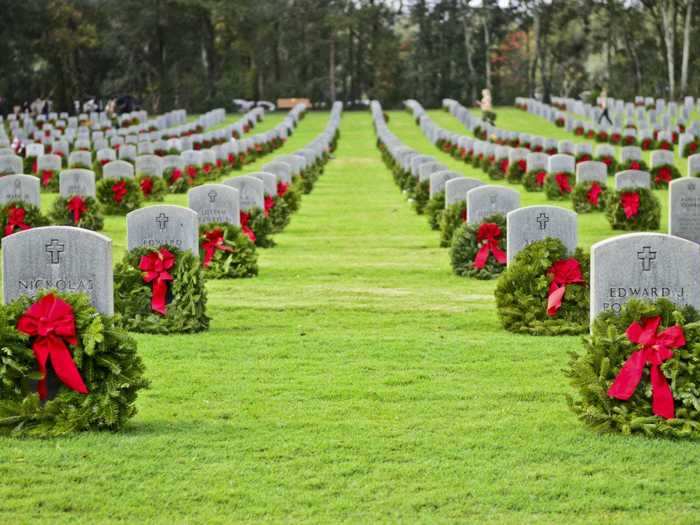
<point x="356" y="379"/>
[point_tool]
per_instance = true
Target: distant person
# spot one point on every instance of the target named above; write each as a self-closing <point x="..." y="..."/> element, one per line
<point x="487" y="113"/>
<point x="604" y="106"/>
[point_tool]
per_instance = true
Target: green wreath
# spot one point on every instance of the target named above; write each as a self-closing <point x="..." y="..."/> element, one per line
<point x="523" y="290"/>
<point x="242" y="261"/>
<point x="434" y="210"/>
<point x="182" y="185"/>
<point x="632" y="164"/>
<point x="593" y="371"/>
<point x="609" y="162"/>
<point x="476" y="160"/>
<point x="90" y="219"/>
<point x="105" y="357"/>
<point x="279" y="215"/>
<point x="691" y="148"/>
<point x="157" y="186"/>
<point x="262" y="228"/>
<point x="516" y="172"/>
<point x="33" y="217"/>
<point x="51" y="184"/>
<point x="647" y="218"/>
<point x="552" y="188"/>
<point x="496" y="170"/>
<point x="534" y="180"/>
<point x="465" y="248"/>
<point x="421" y="195"/>
<point x="582" y="204"/>
<point x="186" y="312"/>
<point x="129" y="202"/>
<point x="486" y="163"/>
<point x="452" y="218"/>
<point x="661" y="176"/>
<point x="292" y="198"/>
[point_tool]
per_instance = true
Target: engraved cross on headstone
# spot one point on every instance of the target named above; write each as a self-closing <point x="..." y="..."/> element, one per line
<point x="543" y="219"/>
<point x="646" y="256"/>
<point x="212" y="195"/>
<point x="162" y="221"/>
<point x="54" y="249"/>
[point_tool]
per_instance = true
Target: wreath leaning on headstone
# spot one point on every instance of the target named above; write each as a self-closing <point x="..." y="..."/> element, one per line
<point x="94" y="359"/>
<point x="639" y="371"/>
<point x="516" y="171"/>
<point x="661" y="176"/>
<point x="152" y="188"/>
<point x="544" y="291"/>
<point x="452" y="218"/>
<point x="20" y="215"/>
<point x="421" y="195"/>
<point x="118" y="196"/>
<point x="226" y="252"/>
<point x="479" y="250"/>
<point x="534" y="180"/>
<point x="589" y="196"/>
<point x="636" y="209"/>
<point x="161" y="290"/>
<point x="434" y="210"/>
<point x="558" y="186"/>
<point x="77" y="210"/>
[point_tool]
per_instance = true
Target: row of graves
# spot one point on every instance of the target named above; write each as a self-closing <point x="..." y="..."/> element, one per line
<point x="569" y="174"/>
<point x="120" y="180"/>
<point x="68" y="361"/>
<point x="635" y="297"/>
<point x="660" y="126"/>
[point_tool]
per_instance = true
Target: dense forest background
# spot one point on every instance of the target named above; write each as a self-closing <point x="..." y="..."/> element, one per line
<point x="199" y="54"/>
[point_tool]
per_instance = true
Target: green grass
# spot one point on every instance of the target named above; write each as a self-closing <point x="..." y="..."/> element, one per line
<point x="356" y="379"/>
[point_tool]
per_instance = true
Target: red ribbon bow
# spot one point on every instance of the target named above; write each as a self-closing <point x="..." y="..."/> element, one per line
<point x="245" y="217"/>
<point x="146" y="186"/>
<point x="77" y="206"/>
<point x="562" y="180"/>
<point x="46" y="176"/>
<point x="630" y="203"/>
<point x="269" y="204"/>
<point x="15" y="219"/>
<point x="562" y="273"/>
<point x="51" y="322"/>
<point x="593" y="195"/>
<point x="214" y="240"/>
<point x="522" y="165"/>
<point x="664" y="175"/>
<point x="219" y="163"/>
<point x="119" y="191"/>
<point x="231" y="159"/>
<point x="607" y="160"/>
<point x="503" y="166"/>
<point x="207" y="169"/>
<point x="635" y="165"/>
<point x="489" y="234"/>
<point x="192" y="172"/>
<point x="175" y="176"/>
<point x="655" y="350"/>
<point x="35" y="167"/>
<point x="155" y="266"/>
<point x="540" y="176"/>
<point x="104" y="161"/>
<point x="282" y="188"/>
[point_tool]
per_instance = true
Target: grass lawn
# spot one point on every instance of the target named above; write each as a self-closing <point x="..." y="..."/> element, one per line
<point x="356" y="379"/>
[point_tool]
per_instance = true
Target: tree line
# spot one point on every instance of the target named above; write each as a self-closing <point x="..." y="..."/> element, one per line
<point x="199" y="54"/>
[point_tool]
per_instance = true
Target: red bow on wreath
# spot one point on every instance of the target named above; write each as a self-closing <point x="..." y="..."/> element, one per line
<point x="562" y="180"/>
<point x="51" y="322"/>
<point x="282" y="188"/>
<point x="562" y="273"/>
<point x="175" y="176"/>
<point x="207" y="169"/>
<point x="214" y="240"/>
<point x="593" y="195"/>
<point x="522" y="165"/>
<point x="192" y="172"/>
<point x="607" y="161"/>
<point x="245" y="218"/>
<point x="155" y="266"/>
<point x="15" y="219"/>
<point x="634" y="165"/>
<point x="489" y="234"/>
<point x="630" y="203"/>
<point x="219" y="163"/>
<point x="665" y="174"/>
<point x="46" y="176"/>
<point x="503" y="166"/>
<point x="119" y="191"/>
<point x="231" y="159"/>
<point x="655" y="350"/>
<point x="540" y="176"/>
<point x="269" y="204"/>
<point x="104" y="161"/>
<point x="35" y="166"/>
<point x="146" y="186"/>
<point x="77" y="206"/>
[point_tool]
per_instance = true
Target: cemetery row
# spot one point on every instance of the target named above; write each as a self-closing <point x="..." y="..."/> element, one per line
<point x="67" y="309"/>
<point x="632" y="292"/>
<point x="569" y="175"/>
<point x="662" y="127"/>
<point x="88" y="190"/>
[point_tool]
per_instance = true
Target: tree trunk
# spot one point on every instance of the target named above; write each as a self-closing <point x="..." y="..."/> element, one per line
<point x="487" y="50"/>
<point x="669" y="37"/>
<point x="470" y="61"/>
<point x="686" y="47"/>
<point x="331" y="67"/>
